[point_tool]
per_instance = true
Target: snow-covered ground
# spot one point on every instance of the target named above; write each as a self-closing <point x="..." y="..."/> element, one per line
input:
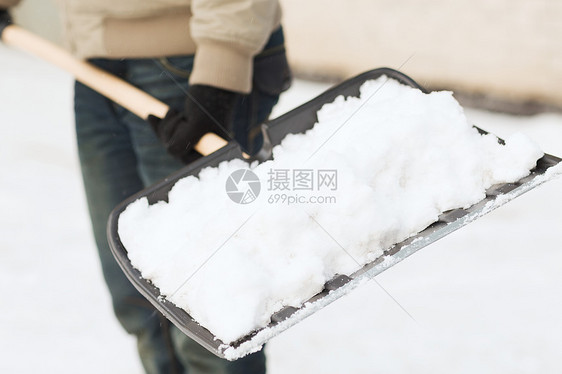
<point x="485" y="299"/>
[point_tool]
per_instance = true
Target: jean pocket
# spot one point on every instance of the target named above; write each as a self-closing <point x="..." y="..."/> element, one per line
<point x="179" y="66"/>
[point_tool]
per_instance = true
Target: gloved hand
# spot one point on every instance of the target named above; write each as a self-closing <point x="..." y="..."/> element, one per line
<point x="5" y="20"/>
<point x="207" y="109"/>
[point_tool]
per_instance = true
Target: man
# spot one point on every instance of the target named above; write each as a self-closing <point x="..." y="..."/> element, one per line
<point x="221" y="66"/>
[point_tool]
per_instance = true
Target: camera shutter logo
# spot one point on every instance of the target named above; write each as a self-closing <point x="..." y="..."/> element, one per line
<point x="243" y="186"/>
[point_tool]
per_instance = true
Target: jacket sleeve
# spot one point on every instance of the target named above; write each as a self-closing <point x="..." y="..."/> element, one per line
<point x="228" y="34"/>
<point x="4" y="4"/>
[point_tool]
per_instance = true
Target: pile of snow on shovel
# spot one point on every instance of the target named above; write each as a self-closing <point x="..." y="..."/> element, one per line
<point x="400" y="158"/>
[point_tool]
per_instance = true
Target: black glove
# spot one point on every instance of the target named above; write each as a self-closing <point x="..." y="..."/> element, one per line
<point x="207" y="109"/>
<point x="5" y="20"/>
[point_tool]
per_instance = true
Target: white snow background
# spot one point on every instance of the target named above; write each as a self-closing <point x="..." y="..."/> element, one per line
<point x="485" y="299"/>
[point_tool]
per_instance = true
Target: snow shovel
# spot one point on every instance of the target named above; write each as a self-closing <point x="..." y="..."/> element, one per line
<point x="296" y="121"/>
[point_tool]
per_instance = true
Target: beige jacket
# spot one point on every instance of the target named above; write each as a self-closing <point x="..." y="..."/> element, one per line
<point x="225" y="35"/>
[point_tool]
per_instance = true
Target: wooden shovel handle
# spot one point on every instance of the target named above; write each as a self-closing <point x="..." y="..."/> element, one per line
<point x="110" y="86"/>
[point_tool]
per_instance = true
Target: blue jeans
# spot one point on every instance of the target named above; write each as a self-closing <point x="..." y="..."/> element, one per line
<point x="120" y="155"/>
